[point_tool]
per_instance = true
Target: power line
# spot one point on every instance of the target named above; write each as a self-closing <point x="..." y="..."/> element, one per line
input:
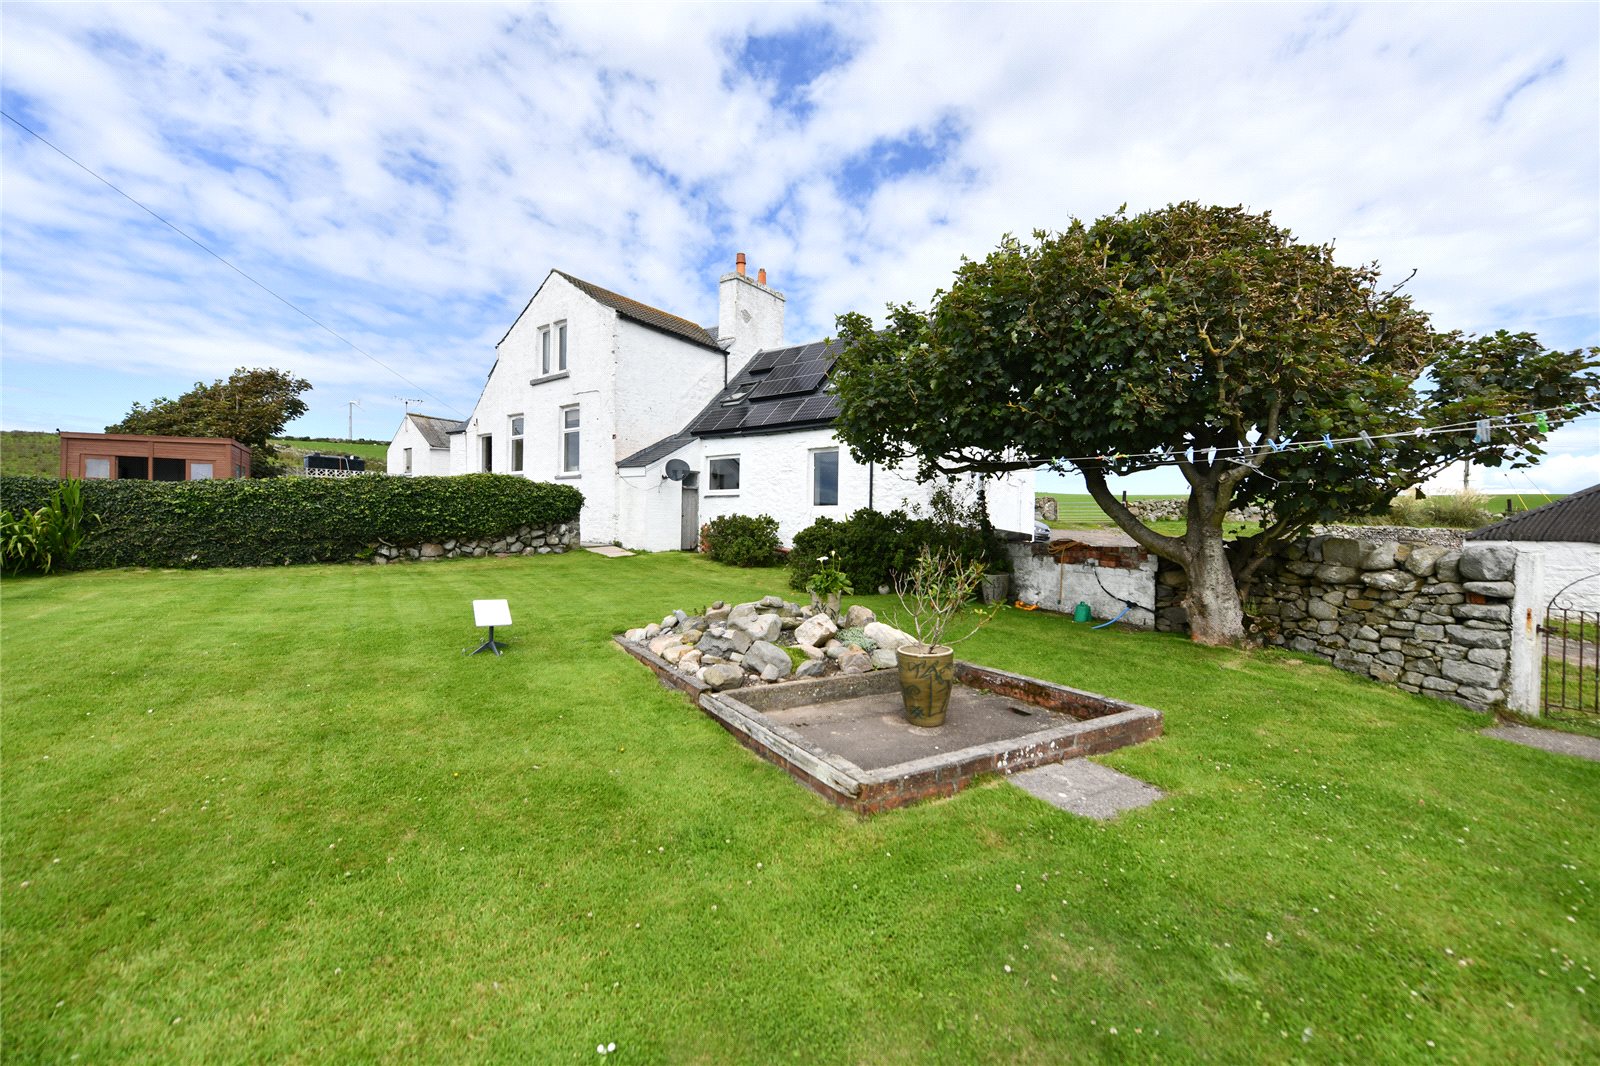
<point x="198" y="244"/>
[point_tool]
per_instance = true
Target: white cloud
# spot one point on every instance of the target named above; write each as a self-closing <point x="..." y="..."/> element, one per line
<point x="409" y="173"/>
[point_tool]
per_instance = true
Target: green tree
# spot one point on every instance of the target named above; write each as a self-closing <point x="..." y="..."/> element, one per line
<point x="1147" y="341"/>
<point x="252" y="406"/>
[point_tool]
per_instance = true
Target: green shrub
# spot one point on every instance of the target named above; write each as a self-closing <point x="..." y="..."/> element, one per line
<point x="257" y="522"/>
<point x="857" y="636"/>
<point x="875" y="547"/>
<point x="47" y="537"/>
<point x="1464" y="510"/>
<point x="743" y="540"/>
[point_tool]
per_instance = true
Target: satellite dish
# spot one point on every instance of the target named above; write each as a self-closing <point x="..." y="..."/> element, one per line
<point x="676" y="469"/>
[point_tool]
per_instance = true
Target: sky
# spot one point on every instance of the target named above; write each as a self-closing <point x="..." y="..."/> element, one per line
<point x="407" y="175"/>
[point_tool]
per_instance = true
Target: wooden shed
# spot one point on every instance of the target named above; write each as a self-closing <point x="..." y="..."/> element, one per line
<point x="130" y="455"/>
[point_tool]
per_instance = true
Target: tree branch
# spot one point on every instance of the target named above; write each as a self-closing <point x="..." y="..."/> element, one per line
<point x="1169" y="548"/>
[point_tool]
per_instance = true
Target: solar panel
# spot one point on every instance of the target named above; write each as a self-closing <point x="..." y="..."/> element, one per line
<point x="763" y="361"/>
<point x="787" y="382"/>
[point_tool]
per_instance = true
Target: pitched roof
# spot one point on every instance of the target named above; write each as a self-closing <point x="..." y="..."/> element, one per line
<point x="435" y="430"/>
<point x="659" y="450"/>
<point x="644" y="314"/>
<point x="1573" y="518"/>
<point x="778" y="389"/>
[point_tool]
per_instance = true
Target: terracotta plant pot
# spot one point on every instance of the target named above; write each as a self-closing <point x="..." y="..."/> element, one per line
<point x="926" y="677"/>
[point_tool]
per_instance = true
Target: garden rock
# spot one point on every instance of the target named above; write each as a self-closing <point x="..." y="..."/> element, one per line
<point x="858" y="617"/>
<point x="887" y="637"/>
<point x="884" y="660"/>
<point x="764" y="655"/>
<point x="722" y="676"/>
<point x="742" y="613"/>
<point x="813" y="668"/>
<point x="763" y="627"/>
<point x="855" y="661"/>
<point x="815" y="630"/>
<point x="1498" y="590"/>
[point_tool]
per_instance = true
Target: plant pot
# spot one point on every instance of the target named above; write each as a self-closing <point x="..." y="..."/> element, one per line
<point x="926" y="677"/>
<point x="830" y="604"/>
<point x="996" y="588"/>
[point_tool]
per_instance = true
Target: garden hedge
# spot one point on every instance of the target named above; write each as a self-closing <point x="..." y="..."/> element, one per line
<point x="276" y="521"/>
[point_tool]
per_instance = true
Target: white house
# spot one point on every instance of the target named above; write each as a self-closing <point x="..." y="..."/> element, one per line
<point x="421" y="446"/>
<point x="665" y="424"/>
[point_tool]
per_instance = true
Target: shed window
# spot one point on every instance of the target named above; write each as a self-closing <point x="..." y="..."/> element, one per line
<point x="198" y="471"/>
<point x="97" y="468"/>
<point x="133" y="466"/>
<point x="169" y="469"/>
<point x="725" y="474"/>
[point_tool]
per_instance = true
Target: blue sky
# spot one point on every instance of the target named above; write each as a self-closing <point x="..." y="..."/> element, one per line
<point x="408" y="174"/>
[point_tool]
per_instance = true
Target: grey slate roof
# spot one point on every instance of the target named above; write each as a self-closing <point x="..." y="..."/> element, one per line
<point x="1575" y="518"/>
<point x="659" y="450"/>
<point x="778" y="389"/>
<point x="644" y="314"/>
<point x="435" y="430"/>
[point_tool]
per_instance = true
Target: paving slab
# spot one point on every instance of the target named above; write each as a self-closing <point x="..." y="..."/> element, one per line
<point x="1087" y="788"/>
<point x="610" y="551"/>
<point x="1548" y="740"/>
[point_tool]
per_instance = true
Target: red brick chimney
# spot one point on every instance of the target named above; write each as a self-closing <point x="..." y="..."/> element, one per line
<point x="738" y="264"/>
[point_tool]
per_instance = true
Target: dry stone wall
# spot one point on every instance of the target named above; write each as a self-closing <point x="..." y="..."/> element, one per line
<point x="1426" y="618"/>
<point x="526" y="540"/>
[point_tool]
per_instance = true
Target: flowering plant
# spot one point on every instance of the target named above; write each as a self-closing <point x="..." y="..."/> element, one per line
<point x="829" y="580"/>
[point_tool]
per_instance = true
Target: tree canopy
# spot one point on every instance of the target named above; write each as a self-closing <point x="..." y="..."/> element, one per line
<point x="1210" y="340"/>
<point x="251" y="406"/>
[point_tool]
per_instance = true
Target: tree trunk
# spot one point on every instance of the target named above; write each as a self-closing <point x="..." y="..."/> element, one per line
<point x="1215" y="614"/>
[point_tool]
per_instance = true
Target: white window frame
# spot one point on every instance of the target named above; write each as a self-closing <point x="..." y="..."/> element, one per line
<point x="210" y="471"/>
<point x="815" y="452"/>
<point x="544" y="351"/>
<point x="711" y="489"/>
<point x="516" y="459"/>
<point x="563" y="430"/>
<point x="561" y="347"/>
<point x="110" y="467"/>
<point x="408" y="459"/>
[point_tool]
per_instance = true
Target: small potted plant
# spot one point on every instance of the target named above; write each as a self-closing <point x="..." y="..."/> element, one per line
<point x="938" y="585"/>
<point x="827" y="586"/>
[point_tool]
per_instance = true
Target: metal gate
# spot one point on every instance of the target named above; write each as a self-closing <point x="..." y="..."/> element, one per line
<point x="1571" y="663"/>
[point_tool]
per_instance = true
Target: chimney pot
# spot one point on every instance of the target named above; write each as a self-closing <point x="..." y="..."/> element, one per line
<point x="761" y="275"/>
<point x="738" y="262"/>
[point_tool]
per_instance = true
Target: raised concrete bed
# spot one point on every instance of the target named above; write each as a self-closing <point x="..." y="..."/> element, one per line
<point x="845" y="739"/>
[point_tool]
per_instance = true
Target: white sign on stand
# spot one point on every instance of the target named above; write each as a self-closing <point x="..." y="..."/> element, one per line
<point x="490" y="613"/>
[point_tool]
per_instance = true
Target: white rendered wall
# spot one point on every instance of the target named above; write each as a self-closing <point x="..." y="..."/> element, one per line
<point x="662" y="383"/>
<point x="775" y="479"/>
<point x="1038" y="578"/>
<point x="426" y="460"/>
<point x="1565" y="562"/>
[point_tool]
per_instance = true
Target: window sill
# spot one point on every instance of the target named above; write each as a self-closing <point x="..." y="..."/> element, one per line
<point x="557" y="376"/>
<point x="568" y="477"/>
<point x="721" y="495"/>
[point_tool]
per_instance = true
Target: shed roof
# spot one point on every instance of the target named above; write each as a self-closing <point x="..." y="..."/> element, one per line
<point x="659" y="450"/>
<point x="1572" y="518"/>
<point x="436" y="430"/>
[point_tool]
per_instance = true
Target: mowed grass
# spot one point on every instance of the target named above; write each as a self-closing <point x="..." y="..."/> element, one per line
<point x="1079" y="511"/>
<point x="275" y="815"/>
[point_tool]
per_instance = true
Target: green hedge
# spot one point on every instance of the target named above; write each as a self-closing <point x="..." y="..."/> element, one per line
<point x="873" y="547"/>
<point x="292" y="520"/>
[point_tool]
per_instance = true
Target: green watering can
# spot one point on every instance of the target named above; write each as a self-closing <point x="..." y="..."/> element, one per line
<point x="1080" y="613"/>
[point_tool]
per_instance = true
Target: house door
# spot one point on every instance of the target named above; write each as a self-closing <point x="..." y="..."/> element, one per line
<point x="690" y="537"/>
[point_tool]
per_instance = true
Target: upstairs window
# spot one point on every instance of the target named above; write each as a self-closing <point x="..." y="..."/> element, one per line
<point x="516" y="444"/>
<point x="544" y="350"/>
<point x="561" y="345"/>
<point x="724" y="474"/>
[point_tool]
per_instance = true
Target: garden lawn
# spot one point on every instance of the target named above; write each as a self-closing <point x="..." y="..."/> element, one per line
<point x="275" y="815"/>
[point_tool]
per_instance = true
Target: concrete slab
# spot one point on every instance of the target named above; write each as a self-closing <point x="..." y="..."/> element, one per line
<point x="1548" y="740"/>
<point x="610" y="551"/>
<point x="872" y="732"/>
<point x="1087" y="788"/>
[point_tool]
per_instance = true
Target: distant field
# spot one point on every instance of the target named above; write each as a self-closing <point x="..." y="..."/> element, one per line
<point x="29" y="452"/>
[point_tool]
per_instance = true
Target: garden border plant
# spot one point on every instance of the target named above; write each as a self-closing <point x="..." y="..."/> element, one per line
<point x="293" y="520"/>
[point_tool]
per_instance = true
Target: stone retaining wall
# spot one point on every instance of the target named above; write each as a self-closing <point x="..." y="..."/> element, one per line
<point x="527" y="540"/>
<point x="1425" y="618"/>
